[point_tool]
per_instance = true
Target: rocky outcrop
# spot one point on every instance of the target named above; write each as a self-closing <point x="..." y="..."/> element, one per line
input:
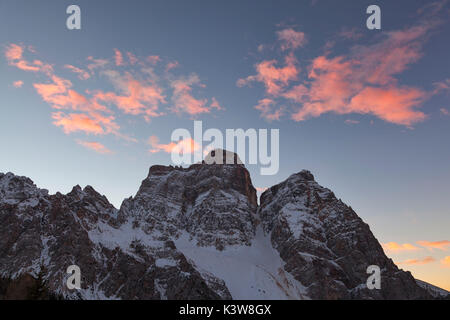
<point x="191" y="233"/>
<point x="215" y="204"/>
<point x="326" y="246"/>
<point x="51" y="232"/>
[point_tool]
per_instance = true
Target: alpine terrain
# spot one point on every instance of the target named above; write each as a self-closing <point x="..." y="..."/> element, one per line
<point x="193" y="233"/>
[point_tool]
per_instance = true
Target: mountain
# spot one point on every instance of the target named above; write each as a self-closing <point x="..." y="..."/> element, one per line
<point x="192" y="233"/>
<point x="436" y="292"/>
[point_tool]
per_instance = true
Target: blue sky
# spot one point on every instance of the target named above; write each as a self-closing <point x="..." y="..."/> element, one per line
<point x="393" y="171"/>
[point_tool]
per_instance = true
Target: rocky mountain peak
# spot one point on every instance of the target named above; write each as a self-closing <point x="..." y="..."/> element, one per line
<point x="195" y="233"/>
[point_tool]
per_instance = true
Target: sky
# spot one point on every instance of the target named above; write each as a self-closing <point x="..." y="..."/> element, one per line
<point x="366" y="111"/>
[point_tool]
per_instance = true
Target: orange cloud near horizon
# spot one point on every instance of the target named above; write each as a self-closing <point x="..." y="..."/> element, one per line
<point x="423" y="261"/>
<point x="446" y="262"/>
<point x="441" y="245"/>
<point x="397" y="247"/>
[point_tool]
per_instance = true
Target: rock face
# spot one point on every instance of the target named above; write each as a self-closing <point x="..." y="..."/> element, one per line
<point x="41" y="232"/>
<point x="192" y="233"/>
<point x="326" y="246"/>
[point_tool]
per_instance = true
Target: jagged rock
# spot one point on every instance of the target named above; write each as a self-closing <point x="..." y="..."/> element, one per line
<point x="192" y="233"/>
<point x="326" y="246"/>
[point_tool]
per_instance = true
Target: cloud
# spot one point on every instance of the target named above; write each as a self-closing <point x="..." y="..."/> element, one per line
<point x="132" y="58"/>
<point x="96" y="146"/>
<point x="291" y="39"/>
<point x="275" y="79"/>
<point x="351" y="121"/>
<point x="445" y="112"/>
<point x="18" y="84"/>
<point x="14" y="56"/>
<point x="350" y="34"/>
<point x="397" y="247"/>
<point x="423" y="261"/>
<point x="153" y="59"/>
<point x="215" y="104"/>
<point x="446" y="262"/>
<point x="268" y="109"/>
<point x="96" y="63"/>
<point x="183" y="146"/>
<point x="344" y="34"/>
<point x="183" y="100"/>
<point x="118" y="57"/>
<point x="344" y="86"/>
<point x="441" y="245"/>
<point x="361" y="81"/>
<point x="13" y="52"/>
<point x="59" y="95"/>
<point x="82" y="74"/>
<point x="442" y="86"/>
<point x="77" y="122"/>
<point x="139" y="90"/>
<point x="171" y="65"/>
<point x="138" y="97"/>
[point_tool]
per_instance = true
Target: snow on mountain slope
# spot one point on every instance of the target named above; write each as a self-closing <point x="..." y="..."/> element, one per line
<point x="249" y="272"/>
<point x="326" y="246"/>
<point x="433" y="290"/>
<point x="195" y="233"/>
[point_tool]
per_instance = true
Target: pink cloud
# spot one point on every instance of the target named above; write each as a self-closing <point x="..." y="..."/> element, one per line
<point x="445" y="112"/>
<point x="183" y="99"/>
<point x="96" y="63"/>
<point x="137" y="92"/>
<point x="82" y="74"/>
<point x="215" y="104"/>
<point x="153" y="59"/>
<point x="360" y="82"/>
<point x="343" y="86"/>
<point x="442" y="86"/>
<point x="291" y="39"/>
<point x="268" y="109"/>
<point x="13" y="52"/>
<point x="96" y="146"/>
<point x="171" y="65"/>
<point x="59" y="95"/>
<point x="138" y="97"/>
<point x="118" y="57"/>
<point x="18" y="84"/>
<point x="90" y="124"/>
<point x="350" y="34"/>
<point x="183" y="146"/>
<point x="274" y="79"/>
<point x="132" y="58"/>
<point x="77" y="122"/>
<point x="14" y="56"/>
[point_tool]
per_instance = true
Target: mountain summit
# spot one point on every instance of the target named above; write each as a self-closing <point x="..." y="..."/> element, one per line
<point x="192" y="233"/>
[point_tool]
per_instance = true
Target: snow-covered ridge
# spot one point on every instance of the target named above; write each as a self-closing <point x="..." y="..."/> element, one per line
<point x="433" y="290"/>
<point x="195" y="233"/>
